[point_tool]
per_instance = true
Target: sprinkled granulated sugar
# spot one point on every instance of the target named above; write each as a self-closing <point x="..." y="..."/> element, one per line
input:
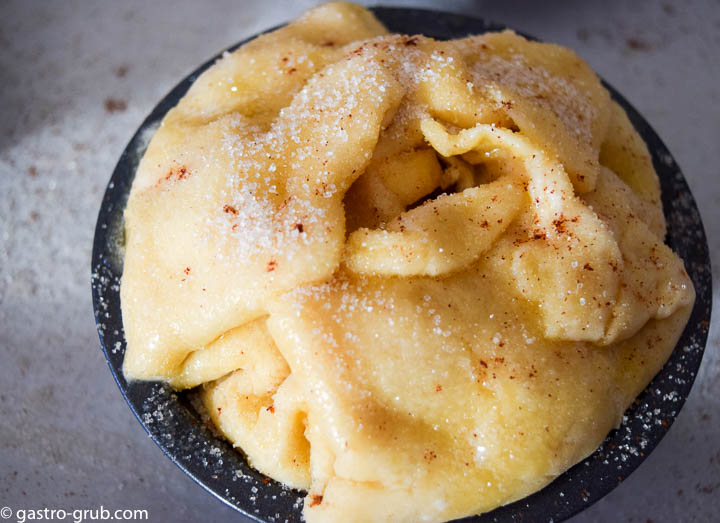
<point x="273" y="194"/>
<point x="553" y="92"/>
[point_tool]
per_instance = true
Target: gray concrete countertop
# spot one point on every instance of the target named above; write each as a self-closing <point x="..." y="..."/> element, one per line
<point x="77" y="79"/>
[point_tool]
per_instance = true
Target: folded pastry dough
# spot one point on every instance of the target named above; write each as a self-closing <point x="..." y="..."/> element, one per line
<point x="418" y="279"/>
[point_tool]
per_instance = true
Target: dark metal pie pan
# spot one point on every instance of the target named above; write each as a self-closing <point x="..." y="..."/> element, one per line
<point x="179" y="431"/>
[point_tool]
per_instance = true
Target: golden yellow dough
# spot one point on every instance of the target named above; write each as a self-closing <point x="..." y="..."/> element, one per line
<point x="417" y="279"/>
